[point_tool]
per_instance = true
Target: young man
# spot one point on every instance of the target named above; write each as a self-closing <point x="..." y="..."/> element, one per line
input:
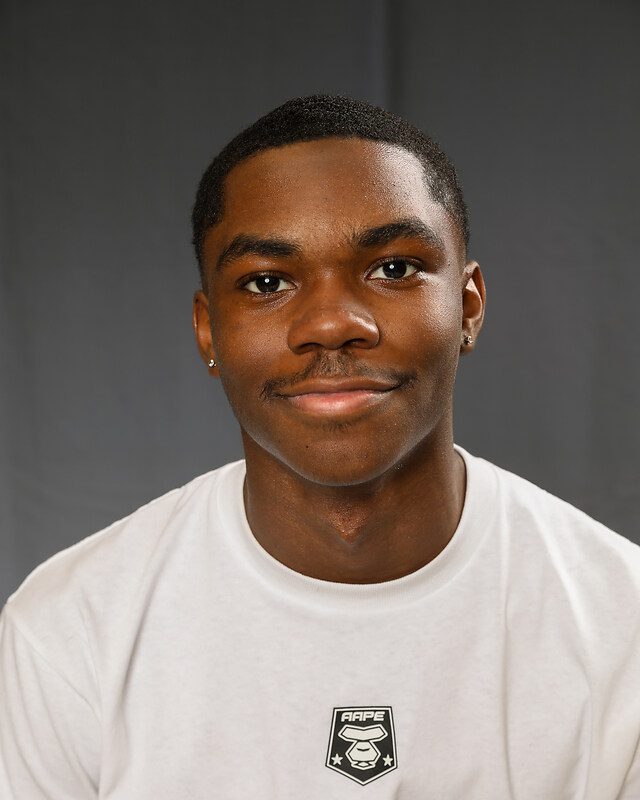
<point x="359" y="602"/>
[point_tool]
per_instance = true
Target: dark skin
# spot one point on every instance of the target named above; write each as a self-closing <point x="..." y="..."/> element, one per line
<point x="373" y="493"/>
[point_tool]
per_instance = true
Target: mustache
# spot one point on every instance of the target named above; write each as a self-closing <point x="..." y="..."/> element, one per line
<point x="340" y="367"/>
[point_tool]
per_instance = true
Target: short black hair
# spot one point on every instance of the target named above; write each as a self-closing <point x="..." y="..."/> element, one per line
<point x="321" y="116"/>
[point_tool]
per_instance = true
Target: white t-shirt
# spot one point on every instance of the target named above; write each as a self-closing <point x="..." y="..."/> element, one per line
<point x="170" y="657"/>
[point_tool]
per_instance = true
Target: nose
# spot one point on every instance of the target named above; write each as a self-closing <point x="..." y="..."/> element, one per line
<point x="333" y="317"/>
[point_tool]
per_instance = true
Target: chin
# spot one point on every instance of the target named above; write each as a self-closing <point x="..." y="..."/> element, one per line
<point x="337" y="452"/>
<point x="330" y="474"/>
<point x="343" y="463"/>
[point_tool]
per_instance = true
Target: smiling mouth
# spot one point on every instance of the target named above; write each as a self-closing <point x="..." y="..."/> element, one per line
<point x="338" y="403"/>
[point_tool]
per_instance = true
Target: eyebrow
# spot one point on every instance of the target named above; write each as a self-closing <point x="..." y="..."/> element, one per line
<point x="244" y="244"/>
<point x="409" y="228"/>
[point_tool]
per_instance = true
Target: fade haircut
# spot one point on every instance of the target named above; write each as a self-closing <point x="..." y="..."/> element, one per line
<point x="305" y="119"/>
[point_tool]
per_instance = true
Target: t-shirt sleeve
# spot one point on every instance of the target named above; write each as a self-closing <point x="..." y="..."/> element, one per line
<point x="49" y="733"/>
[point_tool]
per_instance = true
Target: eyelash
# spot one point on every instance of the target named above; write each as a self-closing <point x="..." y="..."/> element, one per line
<point x="270" y="273"/>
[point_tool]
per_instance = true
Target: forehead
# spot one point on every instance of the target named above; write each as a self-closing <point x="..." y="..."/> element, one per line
<point x="318" y="191"/>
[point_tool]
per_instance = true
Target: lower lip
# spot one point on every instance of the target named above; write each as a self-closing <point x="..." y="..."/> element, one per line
<point x="337" y="402"/>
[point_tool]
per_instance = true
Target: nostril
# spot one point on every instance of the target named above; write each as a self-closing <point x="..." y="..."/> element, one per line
<point x="334" y="328"/>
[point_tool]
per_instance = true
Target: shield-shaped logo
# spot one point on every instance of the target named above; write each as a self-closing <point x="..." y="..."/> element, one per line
<point x="362" y="743"/>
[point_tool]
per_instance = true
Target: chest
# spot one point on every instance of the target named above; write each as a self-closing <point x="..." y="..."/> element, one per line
<point x="261" y="705"/>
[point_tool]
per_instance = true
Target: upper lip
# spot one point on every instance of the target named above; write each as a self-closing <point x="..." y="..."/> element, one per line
<point x="329" y="385"/>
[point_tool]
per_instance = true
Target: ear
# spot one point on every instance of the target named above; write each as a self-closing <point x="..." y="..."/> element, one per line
<point x="202" y="329"/>
<point x="473" y="303"/>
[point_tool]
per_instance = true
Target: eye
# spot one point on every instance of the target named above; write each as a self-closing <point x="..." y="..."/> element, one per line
<point x="395" y="268"/>
<point x="266" y="284"/>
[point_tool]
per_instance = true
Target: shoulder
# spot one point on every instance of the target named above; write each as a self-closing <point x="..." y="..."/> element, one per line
<point x="538" y="517"/>
<point x="565" y="567"/>
<point x="108" y="561"/>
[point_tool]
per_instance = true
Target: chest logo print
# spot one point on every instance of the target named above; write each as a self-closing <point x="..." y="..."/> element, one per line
<point x="362" y="743"/>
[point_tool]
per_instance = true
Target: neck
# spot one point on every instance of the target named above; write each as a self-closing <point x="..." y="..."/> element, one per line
<point x="365" y="533"/>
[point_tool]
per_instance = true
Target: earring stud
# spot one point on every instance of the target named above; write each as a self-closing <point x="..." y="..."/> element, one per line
<point x="467" y="339"/>
<point x="212" y="363"/>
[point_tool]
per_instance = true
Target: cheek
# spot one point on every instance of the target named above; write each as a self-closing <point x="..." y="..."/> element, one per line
<point x="428" y="327"/>
<point x="248" y="352"/>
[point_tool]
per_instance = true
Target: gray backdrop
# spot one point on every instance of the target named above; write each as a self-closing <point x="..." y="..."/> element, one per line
<point x="111" y="111"/>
